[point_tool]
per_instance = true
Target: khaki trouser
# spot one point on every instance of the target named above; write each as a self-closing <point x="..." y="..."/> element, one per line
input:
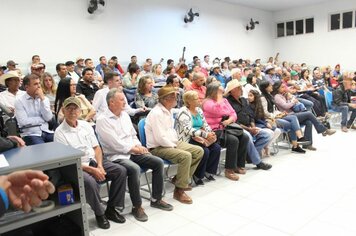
<point x="186" y="155"/>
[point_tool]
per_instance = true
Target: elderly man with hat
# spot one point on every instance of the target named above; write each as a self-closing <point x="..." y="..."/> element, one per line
<point x="79" y="65"/>
<point x="216" y="73"/>
<point x="270" y="74"/>
<point x="7" y="98"/>
<point x="162" y="141"/>
<point x="11" y="66"/>
<point x="120" y="145"/>
<point x="80" y="135"/>
<point x="262" y="137"/>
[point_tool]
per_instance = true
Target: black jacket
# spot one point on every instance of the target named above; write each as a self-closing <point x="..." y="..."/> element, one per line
<point x="245" y="115"/>
<point x="341" y="97"/>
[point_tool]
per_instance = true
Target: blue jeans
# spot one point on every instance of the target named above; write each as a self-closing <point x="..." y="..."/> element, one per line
<point x="254" y="148"/>
<point x="309" y="120"/>
<point x="344" y="114"/>
<point x="289" y="123"/>
<point x="308" y="104"/>
<point x="33" y="140"/>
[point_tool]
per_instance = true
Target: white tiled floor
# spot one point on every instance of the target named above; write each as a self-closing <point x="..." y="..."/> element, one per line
<point x="302" y="195"/>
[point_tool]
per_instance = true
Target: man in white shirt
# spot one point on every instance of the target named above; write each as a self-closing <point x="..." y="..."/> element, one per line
<point x="7" y="98"/>
<point x="33" y="112"/>
<point x="71" y="72"/>
<point x="120" y="145"/>
<point x="80" y="135"/>
<point x="113" y="80"/>
<point x="206" y="63"/>
<point x="162" y="141"/>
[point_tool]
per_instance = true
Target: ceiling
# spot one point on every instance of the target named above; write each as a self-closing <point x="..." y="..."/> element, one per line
<point x="274" y="5"/>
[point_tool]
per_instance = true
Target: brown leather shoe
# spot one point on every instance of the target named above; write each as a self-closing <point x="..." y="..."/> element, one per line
<point x="344" y="129"/>
<point x="181" y="196"/>
<point x="230" y="174"/>
<point x="240" y="170"/>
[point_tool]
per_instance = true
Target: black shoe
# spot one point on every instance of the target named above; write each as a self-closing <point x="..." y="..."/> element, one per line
<point x="160" y="204"/>
<point x="102" y="222"/>
<point x="303" y="141"/>
<point x="298" y="149"/>
<point x="139" y="214"/>
<point x="264" y="166"/>
<point x="197" y="181"/>
<point x="210" y="177"/>
<point x="113" y="215"/>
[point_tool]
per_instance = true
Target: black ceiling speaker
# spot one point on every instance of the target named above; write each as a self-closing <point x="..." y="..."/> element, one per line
<point x="93" y="5"/>
<point x="190" y="16"/>
<point x="252" y="24"/>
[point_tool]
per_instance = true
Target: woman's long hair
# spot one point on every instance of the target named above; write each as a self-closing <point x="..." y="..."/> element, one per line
<point x="257" y="105"/>
<point x="270" y="100"/>
<point x="63" y="92"/>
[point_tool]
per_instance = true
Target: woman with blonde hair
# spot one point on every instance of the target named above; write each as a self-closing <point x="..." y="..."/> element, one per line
<point x="192" y="127"/>
<point x="49" y="88"/>
<point x="158" y="76"/>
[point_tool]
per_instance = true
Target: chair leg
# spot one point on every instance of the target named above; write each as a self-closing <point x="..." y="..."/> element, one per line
<point x="149" y="190"/>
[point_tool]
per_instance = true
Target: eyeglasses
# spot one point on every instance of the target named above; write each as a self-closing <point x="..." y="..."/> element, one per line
<point x="73" y="84"/>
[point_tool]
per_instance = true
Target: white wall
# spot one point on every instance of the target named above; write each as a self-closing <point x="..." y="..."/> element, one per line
<point x="323" y="47"/>
<point x="63" y="30"/>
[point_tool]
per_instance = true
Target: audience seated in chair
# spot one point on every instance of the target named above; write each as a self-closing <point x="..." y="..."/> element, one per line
<point x="86" y="85"/>
<point x="162" y="141"/>
<point x="255" y="104"/>
<point x="192" y="127"/>
<point x="219" y="114"/>
<point x="145" y="98"/>
<point x="342" y="103"/>
<point x="287" y="122"/>
<point x="121" y="146"/>
<point x="197" y="85"/>
<point x="33" y="112"/>
<point x="258" y="138"/>
<point x="112" y="80"/>
<point x="66" y="89"/>
<point x="7" y="98"/>
<point x="96" y="169"/>
<point x="305" y="118"/>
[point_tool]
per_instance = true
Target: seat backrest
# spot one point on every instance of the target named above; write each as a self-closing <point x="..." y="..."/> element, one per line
<point x="329" y="99"/>
<point x="141" y="131"/>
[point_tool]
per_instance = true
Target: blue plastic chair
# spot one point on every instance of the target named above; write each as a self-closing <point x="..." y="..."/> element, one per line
<point x="142" y="135"/>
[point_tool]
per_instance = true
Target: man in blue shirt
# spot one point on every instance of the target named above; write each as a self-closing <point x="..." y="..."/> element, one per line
<point x="33" y="112"/>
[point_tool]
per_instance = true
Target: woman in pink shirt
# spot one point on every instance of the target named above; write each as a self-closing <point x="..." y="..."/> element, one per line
<point x="219" y="113"/>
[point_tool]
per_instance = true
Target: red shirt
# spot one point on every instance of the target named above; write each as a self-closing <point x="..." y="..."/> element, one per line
<point x="201" y="90"/>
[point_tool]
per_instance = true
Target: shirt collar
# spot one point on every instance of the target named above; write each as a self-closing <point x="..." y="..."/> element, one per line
<point x="70" y="128"/>
<point x="108" y="113"/>
<point x="28" y="97"/>
<point x="163" y="108"/>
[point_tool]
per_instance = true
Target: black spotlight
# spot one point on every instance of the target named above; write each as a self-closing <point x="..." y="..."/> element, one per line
<point x="252" y="24"/>
<point x="190" y="16"/>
